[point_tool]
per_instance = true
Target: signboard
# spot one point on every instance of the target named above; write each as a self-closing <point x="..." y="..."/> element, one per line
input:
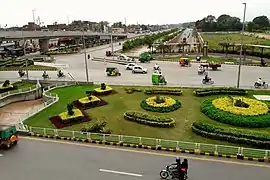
<point x="105" y="37"/>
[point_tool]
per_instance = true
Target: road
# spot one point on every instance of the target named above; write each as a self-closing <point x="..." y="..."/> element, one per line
<point x="43" y="160"/>
<point x="175" y="75"/>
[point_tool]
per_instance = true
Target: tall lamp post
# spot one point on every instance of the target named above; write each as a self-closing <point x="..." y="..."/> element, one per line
<point x="34" y="18"/>
<point x="24" y="52"/>
<point x="85" y="58"/>
<point x="112" y="45"/>
<point x="241" y="48"/>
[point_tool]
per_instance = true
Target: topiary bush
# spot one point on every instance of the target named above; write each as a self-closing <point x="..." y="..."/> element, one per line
<point x="70" y="109"/>
<point x="103" y="86"/>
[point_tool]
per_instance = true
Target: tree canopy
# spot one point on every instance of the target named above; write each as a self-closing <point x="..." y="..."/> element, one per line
<point x="226" y="22"/>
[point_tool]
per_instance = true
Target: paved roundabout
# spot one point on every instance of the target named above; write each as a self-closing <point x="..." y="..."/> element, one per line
<point x="35" y="159"/>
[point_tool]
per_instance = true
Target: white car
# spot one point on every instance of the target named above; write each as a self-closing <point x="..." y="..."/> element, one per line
<point x="139" y="69"/>
<point x="125" y="58"/>
<point x="130" y="66"/>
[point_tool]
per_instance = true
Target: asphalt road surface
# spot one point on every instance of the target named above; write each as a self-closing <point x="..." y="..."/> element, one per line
<point x="44" y="160"/>
<point x="174" y="74"/>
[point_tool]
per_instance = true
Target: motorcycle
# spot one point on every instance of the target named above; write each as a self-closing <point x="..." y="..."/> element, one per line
<point x="156" y="68"/>
<point x="21" y="74"/>
<point x="45" y="76"/>
<point x="207" y="82"/>
<point x="201" y="72"/>
<point x="168" y="172"/>
<point x="264" y="85"/>
<point x="61" y="75"/>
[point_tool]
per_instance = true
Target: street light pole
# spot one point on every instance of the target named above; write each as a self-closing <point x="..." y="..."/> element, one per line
<point x="24" y="52"/>
<point x="85" y="59"/>
<point x="241" y="48"/>
<point x="34" y="18"/>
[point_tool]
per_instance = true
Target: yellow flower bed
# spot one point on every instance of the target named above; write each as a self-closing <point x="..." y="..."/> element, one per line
<point x="255" y="107"/>
<point x="64" y="115"/>
<point x="168" y="102"/>
<point x="108" y="88"/>
<point x="86" y="100"/>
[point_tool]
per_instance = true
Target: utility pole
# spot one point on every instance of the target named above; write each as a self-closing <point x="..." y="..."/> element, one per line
<point x="241" y="48"/>
<point x="24" y="52"/>
<point x="125" y="25"/>
<point x="112" y="46"/>
<point x="85" y="58"/>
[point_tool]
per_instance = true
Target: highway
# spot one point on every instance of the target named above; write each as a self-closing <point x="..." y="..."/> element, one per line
<point x="45" y="160"/>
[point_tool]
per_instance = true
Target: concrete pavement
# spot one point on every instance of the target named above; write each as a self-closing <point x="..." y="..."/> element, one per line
<point x="43" y="160"/>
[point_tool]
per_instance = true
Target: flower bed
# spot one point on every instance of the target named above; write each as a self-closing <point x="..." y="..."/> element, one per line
<point x="217" y="91"/>
<point x="247" y="137"/>
<point x="84" y="103"/>
<point x="151" y="120"/>
<point x="7" y="88"/>
<point x="228" y="104"/>
<point x="101" y="92"/>
<point x="168" y="105"/>
<point x="63" y="120"/>
<point x="165" y="91"/>
<point x="216" y="114"/>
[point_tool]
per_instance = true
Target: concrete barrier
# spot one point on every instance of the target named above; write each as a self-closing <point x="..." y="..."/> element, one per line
<point x="33" y="94"/>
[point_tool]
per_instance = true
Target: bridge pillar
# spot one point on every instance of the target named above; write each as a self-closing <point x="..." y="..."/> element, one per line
<point x="44" y="45"/>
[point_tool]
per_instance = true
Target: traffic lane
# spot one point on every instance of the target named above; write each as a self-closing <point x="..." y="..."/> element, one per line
<point x="46" y="159"/>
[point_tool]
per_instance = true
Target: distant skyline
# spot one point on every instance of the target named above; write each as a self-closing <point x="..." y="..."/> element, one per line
<point x="19" y="12"/>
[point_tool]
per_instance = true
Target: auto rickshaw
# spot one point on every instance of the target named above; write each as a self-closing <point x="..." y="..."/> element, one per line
<point x="8" y="136"/>
<point x="108" y="53"/>
<point x="158" y="79"/>
<point x="112" y="71"/>
<point x="184" y="62"/>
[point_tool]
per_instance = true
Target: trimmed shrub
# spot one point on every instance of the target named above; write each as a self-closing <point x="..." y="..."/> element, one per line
<point x="218" y="91"/>
<point x="161" y="109"/>
<point x="150" y="120"/>
<point x="164" y="91"/>
<point x="246" y="137"/>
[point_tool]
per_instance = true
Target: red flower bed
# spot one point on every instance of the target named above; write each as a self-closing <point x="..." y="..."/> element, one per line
<point x="57" y="122"/>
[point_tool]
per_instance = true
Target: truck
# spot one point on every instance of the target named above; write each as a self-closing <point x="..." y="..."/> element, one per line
<point x="8" y="136"/>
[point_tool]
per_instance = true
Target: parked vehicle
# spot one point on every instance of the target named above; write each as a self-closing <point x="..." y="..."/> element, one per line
<point x="130" y="66"/>
<point x="8" y="136"/>
<point x="123" y="57"/>
<point x="139" y="69"/>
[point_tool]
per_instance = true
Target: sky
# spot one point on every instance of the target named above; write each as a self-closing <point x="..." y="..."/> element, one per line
<point x="19" y="12"/>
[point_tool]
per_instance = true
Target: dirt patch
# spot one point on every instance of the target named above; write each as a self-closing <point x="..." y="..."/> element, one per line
<point x="10" y="114"/>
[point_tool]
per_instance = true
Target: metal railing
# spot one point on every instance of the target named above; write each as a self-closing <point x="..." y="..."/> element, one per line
<point x="191" y="146"/>
<point x="18" y="91"/>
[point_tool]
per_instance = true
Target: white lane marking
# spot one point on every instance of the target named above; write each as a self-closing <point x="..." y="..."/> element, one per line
<point x="118" y="172"/>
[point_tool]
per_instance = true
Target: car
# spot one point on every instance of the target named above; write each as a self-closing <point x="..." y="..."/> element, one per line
<point x="125" y="58"/>
<point x="130" y="66"/>
<point x="139" y="69"/>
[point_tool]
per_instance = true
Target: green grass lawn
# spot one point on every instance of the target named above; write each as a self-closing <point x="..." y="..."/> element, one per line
<point x="121" y="102"/>
<point x="32" y="67"/>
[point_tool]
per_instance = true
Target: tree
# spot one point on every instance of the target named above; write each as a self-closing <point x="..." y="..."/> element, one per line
<point x="261" y="22"/>
<point x="251" y="26"/>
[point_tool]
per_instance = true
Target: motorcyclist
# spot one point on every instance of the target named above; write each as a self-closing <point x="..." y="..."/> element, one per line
<point x="60" y="73"/>
<point x="21" y="72"/>
<point x="184" y="167"/>
<point x="207" y="78"/>
<point x="259" y="81"/>
<point x="45" y="75"/>
<point x="200" y="69"/>
<point x="156" y="67"/>
<point x="176" y="168"/>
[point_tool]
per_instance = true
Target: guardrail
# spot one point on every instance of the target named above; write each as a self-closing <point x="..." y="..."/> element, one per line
<point x="153" y="142"/>
<point x="18" y="91"/>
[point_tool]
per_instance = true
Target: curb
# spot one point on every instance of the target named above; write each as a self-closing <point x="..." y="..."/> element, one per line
<point x="49" y="69"/>
<point x="159" y="148"/>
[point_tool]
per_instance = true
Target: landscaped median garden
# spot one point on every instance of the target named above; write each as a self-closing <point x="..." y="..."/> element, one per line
<point x="215" y="116"/>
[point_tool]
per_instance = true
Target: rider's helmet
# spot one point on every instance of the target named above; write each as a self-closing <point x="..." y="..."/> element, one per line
<point x="260" y="78"/>
<point x="177" y="160"/>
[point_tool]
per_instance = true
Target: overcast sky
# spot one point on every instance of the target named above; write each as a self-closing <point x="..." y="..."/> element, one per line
<point x="19" y="12"/>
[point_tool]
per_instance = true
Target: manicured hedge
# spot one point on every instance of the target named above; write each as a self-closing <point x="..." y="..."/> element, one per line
<point x="217" y="91"/>
<point x="132" y="90"/>
<point x="165" y="91"/>
<point x="236" y="120"/>
<point x="251" y="138"/>
<point x="151" y="120"/>
<point x="146" y="107"/>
